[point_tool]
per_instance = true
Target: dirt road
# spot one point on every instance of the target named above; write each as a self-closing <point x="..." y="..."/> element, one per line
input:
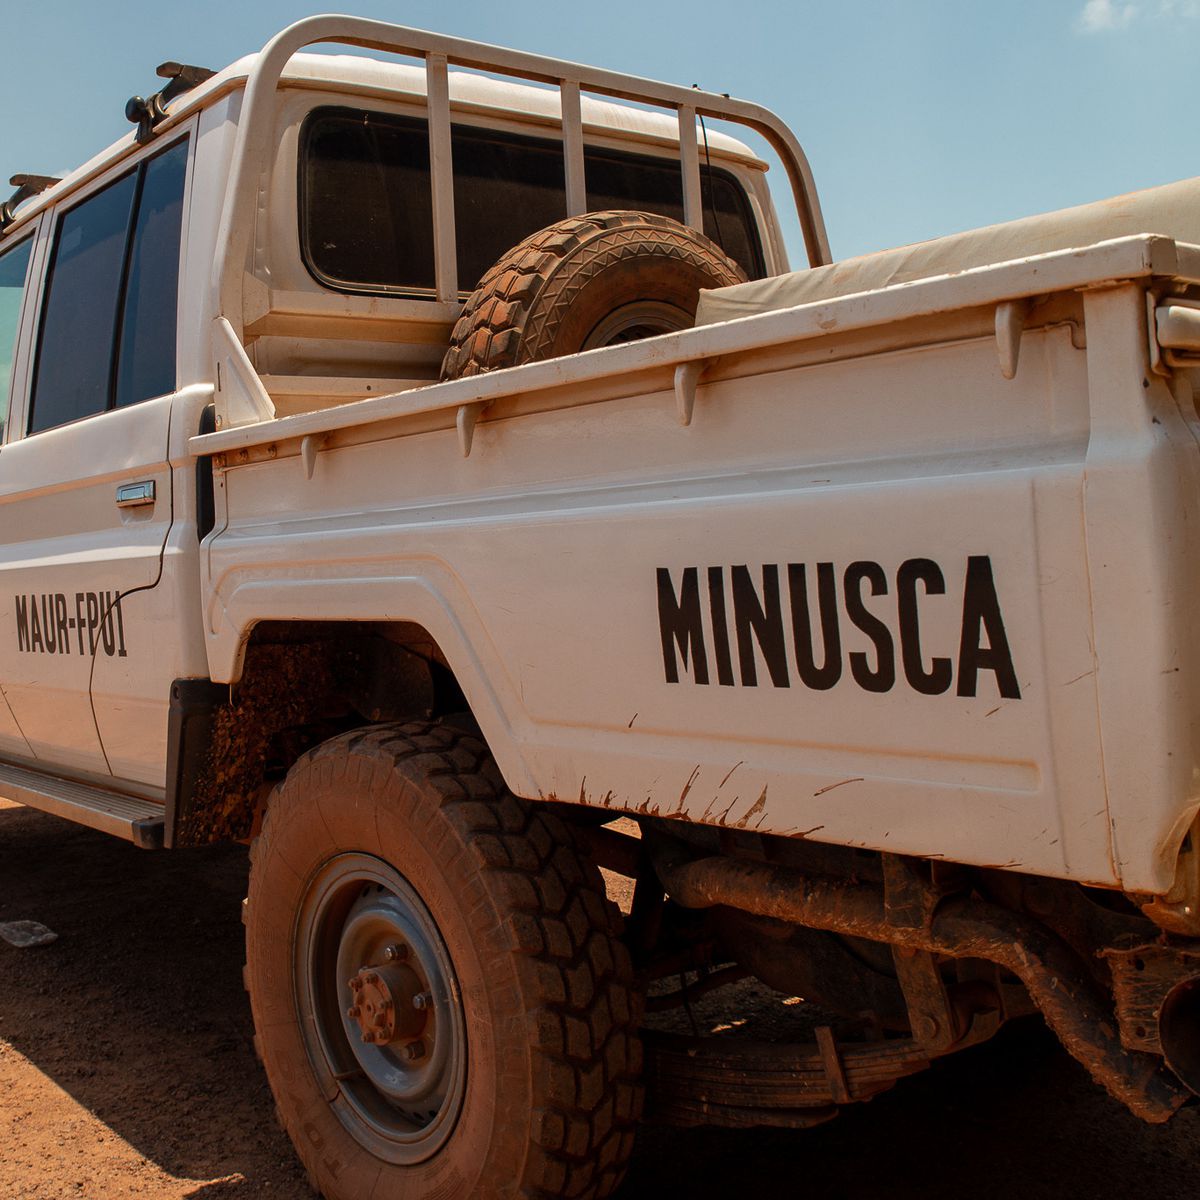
<point x="126" y="1070"/>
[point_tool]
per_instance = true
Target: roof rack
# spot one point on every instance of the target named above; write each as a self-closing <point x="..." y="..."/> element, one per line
<point x="27" y="187"/>
<point x="146" y="114"/>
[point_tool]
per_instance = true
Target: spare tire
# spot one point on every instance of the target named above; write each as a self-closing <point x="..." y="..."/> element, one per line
<point x="586" y="282"/>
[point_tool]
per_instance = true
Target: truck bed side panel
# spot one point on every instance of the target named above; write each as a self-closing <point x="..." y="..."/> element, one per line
<point x="568" y="560"/>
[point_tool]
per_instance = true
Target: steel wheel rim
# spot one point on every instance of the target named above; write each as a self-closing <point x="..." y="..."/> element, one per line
<point x="632" y="322"/>
<point x="400" y="1105"/>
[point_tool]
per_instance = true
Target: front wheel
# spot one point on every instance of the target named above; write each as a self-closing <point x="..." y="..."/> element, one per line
<point x="441" y="1002"/>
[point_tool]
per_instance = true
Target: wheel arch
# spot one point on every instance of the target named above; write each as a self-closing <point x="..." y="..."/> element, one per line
<point x="280" y="683"/>
<point x="425" y="593"/>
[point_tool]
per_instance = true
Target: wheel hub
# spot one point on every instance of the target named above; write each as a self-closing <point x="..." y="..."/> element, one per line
<point x="388" y="1004"/>
<point x="632" y="322"/>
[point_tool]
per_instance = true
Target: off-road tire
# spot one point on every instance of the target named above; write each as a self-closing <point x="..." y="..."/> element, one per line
<point x="551" y="294"/>
<point x="552" y="1093"/>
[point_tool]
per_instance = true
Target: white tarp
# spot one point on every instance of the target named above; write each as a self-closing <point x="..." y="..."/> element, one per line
<point x="1173" y="210"/>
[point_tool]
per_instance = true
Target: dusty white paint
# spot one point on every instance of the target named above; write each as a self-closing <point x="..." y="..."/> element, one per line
<point x="871" y="428"/>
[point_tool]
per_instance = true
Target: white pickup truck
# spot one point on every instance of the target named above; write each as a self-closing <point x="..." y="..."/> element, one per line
<point x="411" y="471"/>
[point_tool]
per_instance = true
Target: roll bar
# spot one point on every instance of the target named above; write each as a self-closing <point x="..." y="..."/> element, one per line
<point x="255" y="136"/>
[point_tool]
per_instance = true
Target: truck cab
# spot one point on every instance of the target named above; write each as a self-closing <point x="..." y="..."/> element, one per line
<point x="109" y="313"/>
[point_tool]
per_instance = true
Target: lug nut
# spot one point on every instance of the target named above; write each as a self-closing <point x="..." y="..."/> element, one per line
<point x="368" y="1036"/>
<point x="423" y="1000"/>
<point x="372" y="978"/>
<point x="356" y="984"/>
<point x="353" y="1012"/>
<point x="414" y="1050"/>
<point x="397" y="952"/>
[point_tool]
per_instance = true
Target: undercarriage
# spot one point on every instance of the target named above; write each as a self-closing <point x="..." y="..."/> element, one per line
<point x="907" y="960"/>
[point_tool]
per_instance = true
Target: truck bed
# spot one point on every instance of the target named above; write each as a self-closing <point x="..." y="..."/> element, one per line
<point x="833" y="591"/>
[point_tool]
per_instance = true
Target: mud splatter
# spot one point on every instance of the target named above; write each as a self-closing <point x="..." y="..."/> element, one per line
<point x="731" y="771"/>
<point x="841" y="783"/>
<point x="687" y="787"/>
<point x="754" y="809"/>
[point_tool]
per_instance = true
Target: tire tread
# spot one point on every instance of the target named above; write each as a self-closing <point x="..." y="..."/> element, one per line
<point x="513" y="313"/>
<point x="582" y="1008"/>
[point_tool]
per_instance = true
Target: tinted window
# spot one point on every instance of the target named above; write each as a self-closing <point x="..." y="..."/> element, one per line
<point x="505" y="188"/>
<point x="14" y="265"/>
<point x="107" y="333"/>
<point x="652" y="185"/>
<point x="79" y="321"/>
<point x="366" y="213"/>
<point x="366" y="200"/>
<point x="146" y="363"/>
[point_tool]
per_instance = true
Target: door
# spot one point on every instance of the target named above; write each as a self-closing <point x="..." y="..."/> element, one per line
<point x="85" y="490"/>
<point x="15" y="270"/>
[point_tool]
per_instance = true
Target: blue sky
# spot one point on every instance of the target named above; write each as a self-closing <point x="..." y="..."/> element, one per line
<point x="920" y="118"/>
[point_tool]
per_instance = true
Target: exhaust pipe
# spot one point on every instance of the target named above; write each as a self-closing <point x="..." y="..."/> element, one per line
<point x="1179" y="1031"/>
<point x="1051" y="971"/>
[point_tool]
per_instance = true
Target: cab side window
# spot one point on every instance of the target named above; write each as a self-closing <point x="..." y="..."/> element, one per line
<point x="14" y="266"/>
<point x="146" y="362"/>
<point x="107" y="334"/>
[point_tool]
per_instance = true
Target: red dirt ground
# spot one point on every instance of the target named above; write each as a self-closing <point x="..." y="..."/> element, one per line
<point x="126" y="1070"/>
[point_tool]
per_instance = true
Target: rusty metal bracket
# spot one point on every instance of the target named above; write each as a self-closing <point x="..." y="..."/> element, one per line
<point x="1143" y="975"/>
<point x="910" y="898"/>
<point x="1178" y="912"/>
<point x="935" y="1024"/>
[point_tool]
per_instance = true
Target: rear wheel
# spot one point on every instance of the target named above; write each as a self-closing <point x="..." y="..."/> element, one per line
<point x="441" y="1002"/>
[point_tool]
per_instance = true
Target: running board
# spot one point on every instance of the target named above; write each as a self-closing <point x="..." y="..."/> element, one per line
<point x="137" y="821"/>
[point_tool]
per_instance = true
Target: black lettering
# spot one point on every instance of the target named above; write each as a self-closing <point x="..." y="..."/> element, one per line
<point x="79" y="597"/>
<point x="680" y="625"/>
<point x="720" y="626"/>
<point x="120" y="628"/>
<point x="48" y="628"/>
<point x="981" y="615"/>
<point x="940" y="675"/>
<point x="108" y="634"/>
<point x="35" y="627"/>
<point x="761" y="622"/>
<point x="22" y="622"/>
<point x="60" y="619"/>
<point x="821" y="678"/>
<point x="93" y="619"/>
<point x="883" y="677"/>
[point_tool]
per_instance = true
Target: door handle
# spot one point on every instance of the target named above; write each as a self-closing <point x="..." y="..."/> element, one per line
<point x="133" y="495"/>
